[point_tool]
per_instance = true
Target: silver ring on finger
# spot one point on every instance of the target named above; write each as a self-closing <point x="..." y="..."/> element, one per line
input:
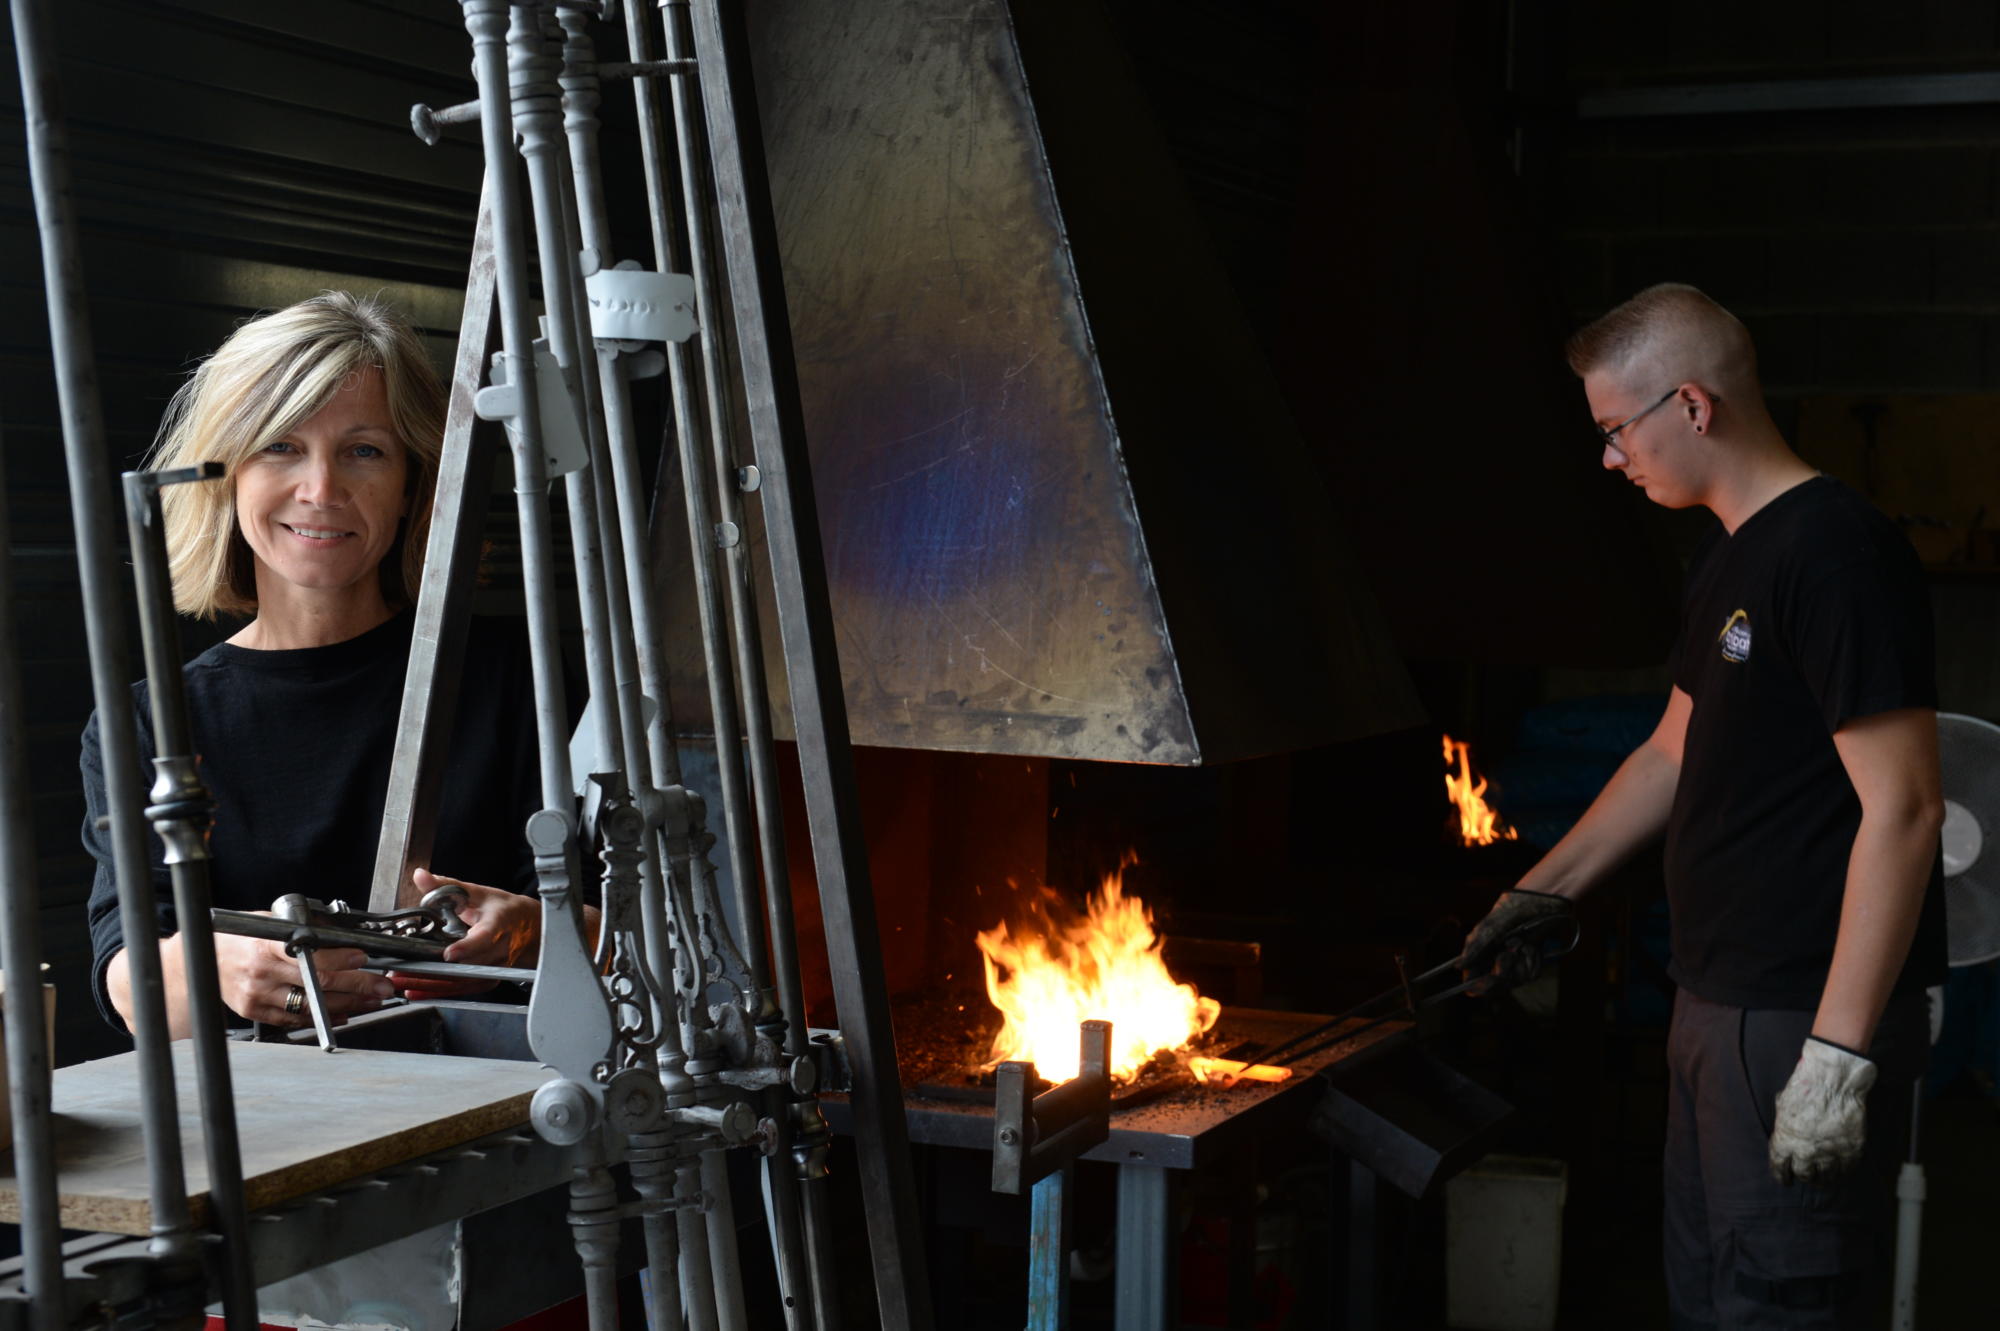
<point x="295" y="1001"/>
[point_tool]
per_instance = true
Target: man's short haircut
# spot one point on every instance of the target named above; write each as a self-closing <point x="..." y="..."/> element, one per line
<point x="1668" y="334"/>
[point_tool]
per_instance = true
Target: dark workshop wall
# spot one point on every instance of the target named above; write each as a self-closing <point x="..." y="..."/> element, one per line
<point x="1861" y="245"/>
<point x="229" y="156"/>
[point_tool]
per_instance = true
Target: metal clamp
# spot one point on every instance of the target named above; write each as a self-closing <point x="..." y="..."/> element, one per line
<point x="1034" y="1138"/>
<point x="630" y="304"/>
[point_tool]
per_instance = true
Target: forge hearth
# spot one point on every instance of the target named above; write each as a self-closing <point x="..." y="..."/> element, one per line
<point x="1183" y="1127"/>
<point x="942" y="1046"/>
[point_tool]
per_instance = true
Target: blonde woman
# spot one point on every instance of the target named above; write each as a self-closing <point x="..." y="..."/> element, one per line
<point x="327" y="416"/>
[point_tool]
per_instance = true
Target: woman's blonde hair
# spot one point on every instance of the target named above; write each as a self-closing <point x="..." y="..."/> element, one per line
<point x="270" y="377"/>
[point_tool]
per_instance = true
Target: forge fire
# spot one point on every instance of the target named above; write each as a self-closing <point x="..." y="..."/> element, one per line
<point x="1064" y="967"/>
<point x="1479" y="823"/>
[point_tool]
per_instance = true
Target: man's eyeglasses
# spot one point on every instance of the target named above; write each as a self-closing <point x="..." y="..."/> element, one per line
<point x="1610" y="436"/>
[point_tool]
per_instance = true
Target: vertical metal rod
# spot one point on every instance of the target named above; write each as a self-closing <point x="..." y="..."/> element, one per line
<point x="652" y="1164"/>
<point x="704" y="502"/>
<point x="28" y="1052"/>
<point x="444" y="603"/>
<point x="1145" y="1293"/>
<point x="628" y="601"/>
<point x="486" y="21"/>
<point x="182" y="812"/>
<point x="533" y="69"/>
<point x="593" y="1219"/>
<point x="1048" y="1253"/>
<point x="638" y="642"/>
<point x="726" y="498"/>
<point x="805" y="621"/>
<point x="697" y="1286"/>
<point x="731" y="1315"/>
<point x="98" y="571"/>
<point x="705" y="518"/>
<point x="568" y="1014"/>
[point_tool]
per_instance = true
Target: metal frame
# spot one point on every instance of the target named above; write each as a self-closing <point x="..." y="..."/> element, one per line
<point x="1778" y="95"/>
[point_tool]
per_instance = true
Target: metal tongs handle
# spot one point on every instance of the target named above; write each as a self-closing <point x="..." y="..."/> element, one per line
<point x="1523" y="953"/>
<point x="301" y="946"/>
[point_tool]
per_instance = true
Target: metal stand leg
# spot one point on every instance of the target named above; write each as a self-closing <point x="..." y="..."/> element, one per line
<point x="593" y="1220"/>
<point x="1358" y="1257"/>
<point x="723" y="1260"/>
<point x="1048" y="1253"/>
<point x="1145" y="1249"/>
<point x="697" y="1290"/>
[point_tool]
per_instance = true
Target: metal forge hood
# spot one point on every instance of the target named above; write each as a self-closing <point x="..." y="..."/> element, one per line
<point x="1065" y="510"/>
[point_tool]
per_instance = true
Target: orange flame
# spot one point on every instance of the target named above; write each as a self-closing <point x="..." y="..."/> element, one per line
<point x="1478" y="825"/>
<point x="1104" y="965"/>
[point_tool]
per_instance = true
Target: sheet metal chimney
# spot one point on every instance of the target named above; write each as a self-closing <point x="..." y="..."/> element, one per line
<point x="1066" y="510"/>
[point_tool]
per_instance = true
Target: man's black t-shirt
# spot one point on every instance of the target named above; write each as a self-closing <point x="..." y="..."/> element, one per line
<point x="295" y="747"/>
<point x="1814" y="613"/>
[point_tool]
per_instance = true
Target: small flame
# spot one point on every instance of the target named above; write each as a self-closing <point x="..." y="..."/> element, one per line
<point x="1104" y="965"/>
<point x="1478" y="825"/>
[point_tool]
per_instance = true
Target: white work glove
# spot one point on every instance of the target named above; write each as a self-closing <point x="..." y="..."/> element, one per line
<point x="1822" y="1114"/>
<point x="1514" y="909"/>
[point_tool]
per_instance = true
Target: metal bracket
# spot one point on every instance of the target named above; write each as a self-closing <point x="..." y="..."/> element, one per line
<point x="631" y="304"/>
<point x="1033" y="1138"/>
<point x="563" y="441"/>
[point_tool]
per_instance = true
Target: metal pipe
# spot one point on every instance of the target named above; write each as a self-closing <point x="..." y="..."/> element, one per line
<point x="536" y="116"/>
<point x="798" y="573"/>
<point x="697" y="1288"/>
<point x="628" y="598"/>
<point x="724" y="1262"/>
<point x="751" y="688"/>
<point x="486" y="21"/>
<point x="704" y="504"/>
<point x="182" y="812"/>
<point x="561" y="1017"/>
<point x="98" y="571"/>
<point x="28" y="1052"/>
<point x="444" y="601"/>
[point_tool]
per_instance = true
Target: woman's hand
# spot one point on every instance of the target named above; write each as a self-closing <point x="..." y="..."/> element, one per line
<point x="502" y="929"/>
<point x="258" y="980"/>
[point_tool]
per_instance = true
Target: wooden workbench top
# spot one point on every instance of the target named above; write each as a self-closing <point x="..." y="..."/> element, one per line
<point x="308" y="1120"/>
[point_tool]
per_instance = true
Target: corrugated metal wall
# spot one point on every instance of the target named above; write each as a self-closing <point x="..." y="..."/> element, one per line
<point x="229" y="156"/>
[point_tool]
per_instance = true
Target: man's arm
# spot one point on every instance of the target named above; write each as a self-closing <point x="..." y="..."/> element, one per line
<point x="1892" y="759"/>
<point x="1630" y="811"/>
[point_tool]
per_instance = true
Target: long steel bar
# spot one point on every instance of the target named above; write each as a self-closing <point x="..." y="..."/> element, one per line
<point x="21" y="957"/>
<point x="104" y="623"/>
<point x="486" y="20"/>
<point x="535" y="64"/>
<point x="797" y="1192"/>
<point x="610" y="432"/>
<point x="182" y="812"/>
<point x="751" y="689"/>
<point x="444" y="602"/>
<point x="805" y="620"/>
<point x="631" y="594"/>
<point x="533" y="69"/>
<point x="651" y="757"/>
<point x="608" y="404"/>
<point x="640" y="668"/>
<point x="1048" y="1253"/>
<point x="568" y="1014"/>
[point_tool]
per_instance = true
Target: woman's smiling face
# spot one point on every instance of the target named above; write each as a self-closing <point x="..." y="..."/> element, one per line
<point x="321" y="505"/>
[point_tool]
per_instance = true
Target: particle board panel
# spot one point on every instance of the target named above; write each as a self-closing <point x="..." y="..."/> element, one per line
<point x="308" y="1120"/>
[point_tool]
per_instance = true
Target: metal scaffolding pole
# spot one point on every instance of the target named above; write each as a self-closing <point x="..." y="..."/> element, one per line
<point x="99" y="574"/>
<point x="805" y="620"/>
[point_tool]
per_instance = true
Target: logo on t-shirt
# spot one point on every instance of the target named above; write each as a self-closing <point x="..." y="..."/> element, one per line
<point x="1735" y="637"/>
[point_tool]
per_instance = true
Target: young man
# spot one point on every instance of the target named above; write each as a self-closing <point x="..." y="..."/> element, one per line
<point x="1795" y="777"/>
